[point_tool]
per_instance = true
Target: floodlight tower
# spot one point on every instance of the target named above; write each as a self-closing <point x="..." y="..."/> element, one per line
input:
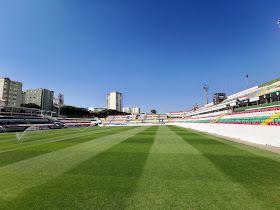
<point x="278" y="22"/>
<point x="205" y="87"/>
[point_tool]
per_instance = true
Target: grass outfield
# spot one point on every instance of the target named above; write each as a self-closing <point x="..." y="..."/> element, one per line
<point x="156" y="167"/>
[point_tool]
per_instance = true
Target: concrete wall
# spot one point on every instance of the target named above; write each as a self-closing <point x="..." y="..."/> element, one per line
<point x="259" y="134"/>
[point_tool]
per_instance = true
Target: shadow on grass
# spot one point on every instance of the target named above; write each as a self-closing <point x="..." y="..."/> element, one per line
<point x="260" y="176"/>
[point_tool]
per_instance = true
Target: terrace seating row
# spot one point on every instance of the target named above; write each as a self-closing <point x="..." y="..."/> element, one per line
<point x="75" y="122"/>
<point x="201" y="118"/>
<point x="135" y="119"/>
<point x="175" y="114"/>
<point x="18" y="123"/>
<point x="256" y="117"/>
<point x="243" y="95"/>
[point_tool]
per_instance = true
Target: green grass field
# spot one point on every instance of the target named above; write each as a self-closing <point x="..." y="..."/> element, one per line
<point x="156" y="167"/>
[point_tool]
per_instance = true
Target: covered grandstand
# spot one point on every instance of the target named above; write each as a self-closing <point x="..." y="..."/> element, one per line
<point x="259" y="105"/>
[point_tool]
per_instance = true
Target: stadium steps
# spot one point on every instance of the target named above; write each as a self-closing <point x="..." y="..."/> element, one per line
<point x="89" y="121"/>
<point x="105" y="120"/>
<point x="29" y="123"/>
<point x="219" y="118"/>
<point x="269" y="120"/>
<point x="274" y="87"/>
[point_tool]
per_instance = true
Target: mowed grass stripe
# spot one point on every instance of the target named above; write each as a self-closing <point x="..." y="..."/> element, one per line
<point x="28" y="137"/>
<point x="105" y="181"/>
<point x="34" y="136"/>
<point x="7" y="139"/>
<point x="142" y="168"/>
<point x="31" y="137"/>
<point x="184" y="179"/>
<point x="248" y="150"/>
<point x="258" y="175"/>
<point x="53" y="138"/>
<point x="31" y="173"/>
<point x="36" y="150"/>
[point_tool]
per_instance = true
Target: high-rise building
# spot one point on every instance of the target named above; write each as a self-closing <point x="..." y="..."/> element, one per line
<point x="23" y="97"/>
<point x="40" y="96"/>
<point x="127" y="110"/>
<point x="10" y="92"/>
<point x="115" y="101"/>
<point x="135" y="110"/>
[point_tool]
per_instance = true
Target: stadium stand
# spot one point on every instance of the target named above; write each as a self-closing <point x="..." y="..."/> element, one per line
<point x="136" y="119"/>
<point x="21" y="123"/>
<point x="262" y="117"/>
<point x="76" y="122"/>
<point x="176" y="114"/>
<point x="258" y="106"/>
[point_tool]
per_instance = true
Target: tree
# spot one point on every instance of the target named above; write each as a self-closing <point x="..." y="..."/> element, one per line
<point x="153" y="111"/>
<point x="31" y="105"/>
<point x="72" y="111"/>
<point x="106" y="112"/>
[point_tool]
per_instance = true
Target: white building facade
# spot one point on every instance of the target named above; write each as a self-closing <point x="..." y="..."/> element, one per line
<point x="127" y="110"/>
<point x="115" y="101"/>
<point x="11" y="92"/>
<point x="136" y="110"/>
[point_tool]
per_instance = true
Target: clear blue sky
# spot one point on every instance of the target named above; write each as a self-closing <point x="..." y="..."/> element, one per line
<point x="159" y="54"/>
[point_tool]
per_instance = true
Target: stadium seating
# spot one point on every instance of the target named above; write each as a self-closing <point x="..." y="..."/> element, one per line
<point x="75" y="122"/>
<point x="257" y="117"/>
<point x="264" y="111"/>
<point x="262" y="114"/>
<point x="206" y="118"/>
<point x="20" y="123"/>
<point x="136" y="119"/>
<point x="243" y="95"/>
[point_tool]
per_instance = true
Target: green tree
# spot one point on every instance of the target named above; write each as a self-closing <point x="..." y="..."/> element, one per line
<point x="153" y="111"/>
<point x="72" y="111"/>
<point x="107" y="112"/>
<point x="31" y="105"/>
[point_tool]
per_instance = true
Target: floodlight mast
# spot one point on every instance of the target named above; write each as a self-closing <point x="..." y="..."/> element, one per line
<point x="205" y="87"/>
<point x="278" y="22"/>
